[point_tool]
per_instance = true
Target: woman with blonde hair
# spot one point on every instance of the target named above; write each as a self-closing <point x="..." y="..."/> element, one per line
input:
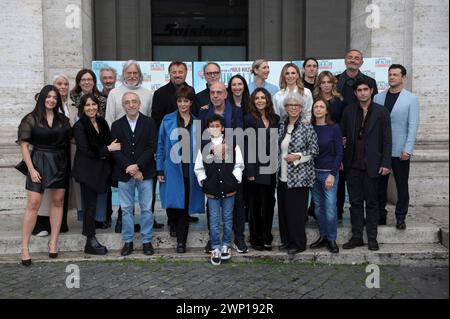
<point x="326" y="89"/>
<point x="291" y="82"/>
<point x="261" y="70"/>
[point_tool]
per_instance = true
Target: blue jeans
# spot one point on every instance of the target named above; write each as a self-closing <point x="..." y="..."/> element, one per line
<point x="325" y="202"/>
<point x="126" y="200"/>
<point x="100" y="209"/>
<point x="225" y="205"/>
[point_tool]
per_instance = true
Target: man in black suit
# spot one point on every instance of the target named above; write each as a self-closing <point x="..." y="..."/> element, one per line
<point x="366" y="130"/>
<point x="164" y="102"/>
<point x="353" y="62"/>
<point x="134" y="168"/>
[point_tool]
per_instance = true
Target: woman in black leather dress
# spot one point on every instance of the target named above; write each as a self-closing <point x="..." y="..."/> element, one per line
<point x="48" y="131"/>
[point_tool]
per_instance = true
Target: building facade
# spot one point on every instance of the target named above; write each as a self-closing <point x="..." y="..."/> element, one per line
<point x="43" y="37"/>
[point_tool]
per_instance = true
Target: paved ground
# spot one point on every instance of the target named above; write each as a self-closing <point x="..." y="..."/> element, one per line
<point x="262" y="279"/>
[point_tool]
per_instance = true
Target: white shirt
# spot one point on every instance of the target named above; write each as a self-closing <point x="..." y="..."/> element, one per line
<point x="132" y="123"/>
<point x="278" y="103"/>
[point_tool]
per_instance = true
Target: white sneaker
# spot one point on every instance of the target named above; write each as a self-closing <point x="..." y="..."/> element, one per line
<point x="226" y="252"/>
<point x="216" y="257"/>
<point x="42" y="233"/>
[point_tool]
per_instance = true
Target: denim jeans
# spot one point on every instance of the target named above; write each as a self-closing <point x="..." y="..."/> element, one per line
<point x="325" y="202"/>
<point x="216" y="206"/>
<point x="100" y="209"/>
<point x="126" y="200"/>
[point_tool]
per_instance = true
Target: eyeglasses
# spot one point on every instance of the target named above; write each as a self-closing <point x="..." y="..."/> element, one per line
<point x="292" y="106"/>
<point x="132" y="102"/>
<point x="212" y="73"/>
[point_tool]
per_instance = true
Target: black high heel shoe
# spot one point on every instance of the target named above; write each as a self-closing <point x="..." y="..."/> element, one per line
<point x="25" y="262"/>
<point x="50" y="254"/>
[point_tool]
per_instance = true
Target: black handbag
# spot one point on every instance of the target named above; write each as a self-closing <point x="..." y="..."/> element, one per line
<point x="22" y="167"/>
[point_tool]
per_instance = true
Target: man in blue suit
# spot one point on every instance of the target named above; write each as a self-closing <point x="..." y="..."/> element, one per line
<point x="404" y="109"/>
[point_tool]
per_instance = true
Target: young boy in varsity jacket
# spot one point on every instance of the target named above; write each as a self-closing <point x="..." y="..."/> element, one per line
<point x="219" y="171"/>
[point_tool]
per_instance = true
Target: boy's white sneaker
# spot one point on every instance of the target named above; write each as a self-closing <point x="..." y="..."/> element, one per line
<point x="216" y="257"/>
<point x="226" y="252"/>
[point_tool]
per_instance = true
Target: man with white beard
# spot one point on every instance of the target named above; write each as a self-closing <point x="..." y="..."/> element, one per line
<point x="131" y="81"/>
<point x="108" y="77"/>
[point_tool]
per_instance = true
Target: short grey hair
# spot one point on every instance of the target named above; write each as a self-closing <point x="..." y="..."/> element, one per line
<point x="129" y="63"/>
<point x="57" y="76"/>
<point x="108" y="68"/>
<point x="211" y="63"/>
<point x="130" y="93"/>
<point x="296" y="97"/>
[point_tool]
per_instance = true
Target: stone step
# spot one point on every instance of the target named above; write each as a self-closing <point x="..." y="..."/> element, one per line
<point x="419" y="255"/>
<point x="10" y="241"/>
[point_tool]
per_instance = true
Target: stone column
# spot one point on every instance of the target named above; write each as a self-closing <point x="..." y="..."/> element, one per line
<point x="68" y="37"/>
<point x="415" y="34"/>
<point x="22" y="65"/>
<point x="265" y="25"/>
<point x="39" y="39"/>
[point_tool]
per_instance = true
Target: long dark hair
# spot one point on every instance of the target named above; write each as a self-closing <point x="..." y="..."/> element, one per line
<point x="77" y="87"/>
<point x="270" y="113"/>
<point x="83" y="102"/>
<point x="245" y="94"/>
<point x="328" y="119"/>
<point x="39" y="111"/>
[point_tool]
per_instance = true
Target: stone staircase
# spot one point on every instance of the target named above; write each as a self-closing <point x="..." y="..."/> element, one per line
<point x="423" y="243"/>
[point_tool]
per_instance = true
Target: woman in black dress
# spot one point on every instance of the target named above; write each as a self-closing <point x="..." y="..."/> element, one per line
<point x="91" y="166"/>
<point x="262" y="119"/>
<point x="49" y="132"/>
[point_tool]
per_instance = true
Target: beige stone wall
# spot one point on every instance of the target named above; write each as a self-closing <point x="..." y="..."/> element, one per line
<point x="40" y="38"/>
<point x="22" y="62"/>
<point x="416" y="34"/>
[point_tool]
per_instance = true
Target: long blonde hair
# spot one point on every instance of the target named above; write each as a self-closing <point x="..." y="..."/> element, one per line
<point x="318" y="91"/>
<point x="299" y="82"/>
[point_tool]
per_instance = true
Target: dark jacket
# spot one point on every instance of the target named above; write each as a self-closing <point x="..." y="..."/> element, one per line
<point x="378" y="146"/>
<point x="136" y="148"/>
<point x="164" y="102"/>
<point x="253" y="169"/>
<point x="204" y="97"/>
<point x="232" y="116"/>
<point x="91" y="165"/>
<point x="347" y="92"/>
<point x="220" y="180"/>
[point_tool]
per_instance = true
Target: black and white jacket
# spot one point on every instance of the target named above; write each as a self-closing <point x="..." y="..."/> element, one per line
<point x="303" y="142"/>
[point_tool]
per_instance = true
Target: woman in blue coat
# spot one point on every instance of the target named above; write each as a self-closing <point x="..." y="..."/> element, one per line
<point x="180" y="193"/>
